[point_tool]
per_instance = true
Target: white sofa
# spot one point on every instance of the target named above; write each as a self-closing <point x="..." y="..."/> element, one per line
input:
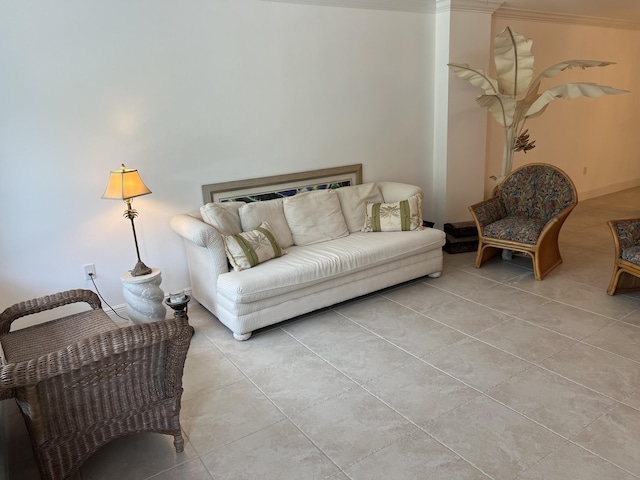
<point x="310" y="276"/>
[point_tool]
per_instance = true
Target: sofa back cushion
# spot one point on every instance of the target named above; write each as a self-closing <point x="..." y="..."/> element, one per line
<point x="353" y="201"/>
<point x="223" y="216"/>
<point x="314" y="217"/>
<point x="270" y="211"/>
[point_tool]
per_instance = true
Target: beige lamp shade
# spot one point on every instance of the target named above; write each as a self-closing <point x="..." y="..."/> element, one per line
<point x="125" y="183"/>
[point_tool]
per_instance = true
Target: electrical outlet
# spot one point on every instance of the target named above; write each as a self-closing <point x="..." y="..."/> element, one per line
<point x="89" y="271"/>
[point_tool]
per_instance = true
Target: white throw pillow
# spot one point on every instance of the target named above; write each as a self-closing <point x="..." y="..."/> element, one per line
<point x="353" y="201"/>
<point x="394" y="217"/>
<point x="315" y="217"/>
<point x="270" y="211"/>
<point x="248" y="249"/>
<point x="223" y="216"/>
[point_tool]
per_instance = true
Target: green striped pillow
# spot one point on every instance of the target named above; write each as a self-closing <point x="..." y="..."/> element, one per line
<point x="394" y="217"/>
<point x="248" y="249"/>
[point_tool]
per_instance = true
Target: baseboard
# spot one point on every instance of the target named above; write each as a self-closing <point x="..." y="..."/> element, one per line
<point x="617" y="187"/>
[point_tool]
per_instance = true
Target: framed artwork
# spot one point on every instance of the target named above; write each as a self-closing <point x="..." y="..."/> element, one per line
<point x="276" y="186"/>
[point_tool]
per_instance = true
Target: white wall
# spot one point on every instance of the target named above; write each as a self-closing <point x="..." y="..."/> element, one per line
<point x="599" y="135"/>
<point x="190" y="92"/>
<point x="466" y="123"/>
<point x="204" y="91"/>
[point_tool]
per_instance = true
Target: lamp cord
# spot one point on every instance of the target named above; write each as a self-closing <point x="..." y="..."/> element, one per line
<point x="102" y="298"/>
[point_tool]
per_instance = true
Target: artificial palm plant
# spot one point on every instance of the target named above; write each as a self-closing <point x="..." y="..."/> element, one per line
<point x="512" y="98"/>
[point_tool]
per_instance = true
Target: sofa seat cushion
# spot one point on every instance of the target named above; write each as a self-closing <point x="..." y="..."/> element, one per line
<point x="516" y="229"/>
<point x="311" y="264"/>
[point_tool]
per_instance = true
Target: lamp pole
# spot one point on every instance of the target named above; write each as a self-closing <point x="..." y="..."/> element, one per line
<point x="140" y="268"/>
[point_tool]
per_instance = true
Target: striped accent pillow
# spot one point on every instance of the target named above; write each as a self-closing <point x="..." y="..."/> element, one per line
<point x="248" y="249"/>
<point x="394" y="217"/>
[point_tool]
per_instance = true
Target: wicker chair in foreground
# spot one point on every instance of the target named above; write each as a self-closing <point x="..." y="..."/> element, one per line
<point x="81" y="381"/>
<point x="626" y="268"/>
<point x="526" y="215"/>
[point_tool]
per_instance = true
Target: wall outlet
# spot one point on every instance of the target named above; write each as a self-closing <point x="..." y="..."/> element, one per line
<point x="89" y="271"/>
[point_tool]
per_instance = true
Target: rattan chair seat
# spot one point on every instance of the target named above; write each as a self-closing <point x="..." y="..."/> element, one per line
<point x="32" y="342"/>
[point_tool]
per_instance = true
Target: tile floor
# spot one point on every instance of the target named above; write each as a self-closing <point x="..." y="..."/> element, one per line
<point x="479" y="374"/>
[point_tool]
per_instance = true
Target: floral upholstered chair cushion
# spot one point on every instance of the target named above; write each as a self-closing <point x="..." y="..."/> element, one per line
<point x="628" y="233"/>
<point x="626" y="263"/>
<point x="526" y="215"/>
<point x="536" y="191"/>
<point x="526" y="201"/>
<point x="517" y="229"/>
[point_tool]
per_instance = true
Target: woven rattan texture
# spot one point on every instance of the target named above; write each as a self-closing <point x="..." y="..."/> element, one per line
<point x="38" y="340"/>
<point x="115" y="383"/>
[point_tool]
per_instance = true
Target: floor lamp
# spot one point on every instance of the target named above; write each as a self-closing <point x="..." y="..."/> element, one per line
<point x="125" y="184"/>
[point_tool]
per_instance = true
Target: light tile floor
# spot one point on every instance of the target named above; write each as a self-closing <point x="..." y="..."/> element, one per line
<point x="479" y="374"/>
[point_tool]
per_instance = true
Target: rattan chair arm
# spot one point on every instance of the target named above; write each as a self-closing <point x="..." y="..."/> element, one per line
<point x="487" y="212"/>
<point x="625" y="232"/>
<point x="95" y="349"/>
<point x="48" y="302"/>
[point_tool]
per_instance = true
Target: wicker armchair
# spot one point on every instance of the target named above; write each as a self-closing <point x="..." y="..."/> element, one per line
<point x="626" y="268"/>
<point x="81" y="381"/>
<point x="526" y="215"/>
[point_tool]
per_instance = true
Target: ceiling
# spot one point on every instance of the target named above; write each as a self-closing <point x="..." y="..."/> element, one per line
<point x="627" y="11"/>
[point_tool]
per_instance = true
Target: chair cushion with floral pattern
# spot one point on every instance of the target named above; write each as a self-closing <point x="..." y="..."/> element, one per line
<point x="536" y="191"/>
<point x="631" y="254"/>
<point x="628" y="234"/>
<point x="517" y="229"/>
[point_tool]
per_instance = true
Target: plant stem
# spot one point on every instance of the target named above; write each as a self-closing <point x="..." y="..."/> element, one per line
<point x="507" y="152"/>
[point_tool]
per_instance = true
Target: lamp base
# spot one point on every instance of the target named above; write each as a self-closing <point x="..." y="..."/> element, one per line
<point x="140" y="269"/>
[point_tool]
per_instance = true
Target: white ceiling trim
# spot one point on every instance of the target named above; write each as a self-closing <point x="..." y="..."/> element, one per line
<point x="479" y="6"/>
<point x="476" y="6"/>
<point x="416" y="6"/>
<point x="518" y="14"/>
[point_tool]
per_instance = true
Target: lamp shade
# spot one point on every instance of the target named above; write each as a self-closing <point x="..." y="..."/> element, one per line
<point x="125" y="183"/>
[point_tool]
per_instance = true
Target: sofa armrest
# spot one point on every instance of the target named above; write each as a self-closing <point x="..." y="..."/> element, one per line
<point x="195" y="230"/>
<point x="206" y="257"/>
<point x="487" y="212"/>
<point x="395" y="192"/>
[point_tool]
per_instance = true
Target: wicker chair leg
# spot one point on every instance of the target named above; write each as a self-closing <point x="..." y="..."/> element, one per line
<point x="613" y="284"/>
<point x="485" y="253"/>
<point x="622" y="282"/>
<point x="178" y="442"/>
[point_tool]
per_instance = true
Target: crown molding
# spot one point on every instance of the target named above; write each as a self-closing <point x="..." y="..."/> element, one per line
<point x="478" y="6"/>
<point x="416" y="6"/>
<point x="533" y="15"/>
<point x="475" y="6"/>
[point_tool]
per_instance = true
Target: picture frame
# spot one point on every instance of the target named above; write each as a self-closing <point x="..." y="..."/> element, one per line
<point x="276" y="186"/>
